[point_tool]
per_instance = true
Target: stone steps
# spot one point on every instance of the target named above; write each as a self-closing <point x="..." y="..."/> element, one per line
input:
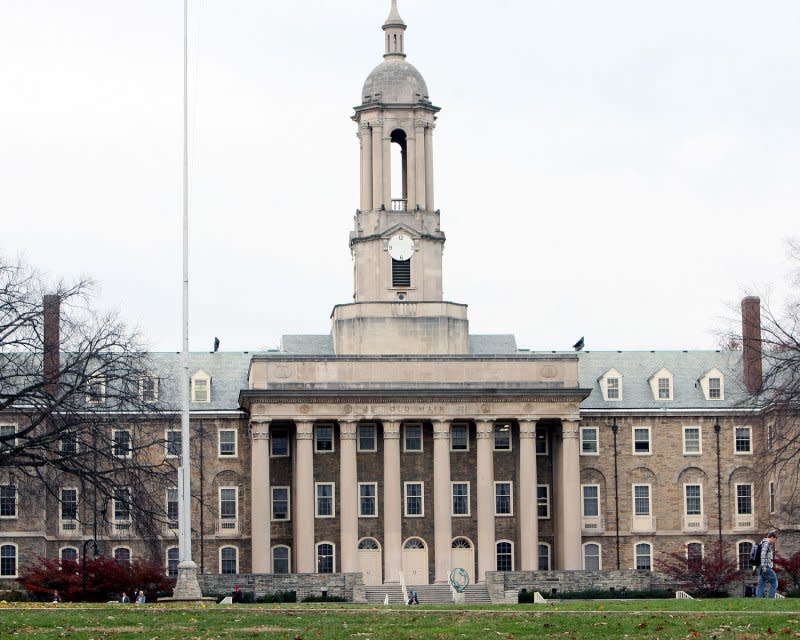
<point x="433" y="593"/>
<point x="477" y="594"/>
<point x="377" y="594"/>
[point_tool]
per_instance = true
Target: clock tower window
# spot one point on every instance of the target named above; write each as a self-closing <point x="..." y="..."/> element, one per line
<point x="399" y="169"/>
<point x="401" y="273"/>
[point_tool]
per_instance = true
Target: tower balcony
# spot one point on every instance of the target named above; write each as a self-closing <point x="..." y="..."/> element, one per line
<point x="399" y="204"/>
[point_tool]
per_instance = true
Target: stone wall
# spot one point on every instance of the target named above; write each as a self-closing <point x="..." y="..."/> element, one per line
<point x="349" y="586"/>
<point x="551" y="583"/>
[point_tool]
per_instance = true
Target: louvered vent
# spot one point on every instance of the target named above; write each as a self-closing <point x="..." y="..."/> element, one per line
<point x="401" y="273"/>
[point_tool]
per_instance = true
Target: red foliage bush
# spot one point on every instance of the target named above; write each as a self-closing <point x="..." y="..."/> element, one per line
<point x="706" y="576"/>
<point x="789" y="569"/>
<point x="106" y="578"/>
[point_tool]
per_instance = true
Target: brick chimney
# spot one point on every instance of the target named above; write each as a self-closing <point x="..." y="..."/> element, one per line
<point x="751" y="343"/>
<point x="52" y="341"/>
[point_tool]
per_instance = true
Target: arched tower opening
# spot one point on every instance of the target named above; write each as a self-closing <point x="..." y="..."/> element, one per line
<point x="399" y="170"/>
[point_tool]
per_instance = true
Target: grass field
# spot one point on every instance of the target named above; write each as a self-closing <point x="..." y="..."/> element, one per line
<point x="742" y="619"/>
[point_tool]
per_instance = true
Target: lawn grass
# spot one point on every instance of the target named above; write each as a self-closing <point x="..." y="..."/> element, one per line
<point x="730" y="618"/>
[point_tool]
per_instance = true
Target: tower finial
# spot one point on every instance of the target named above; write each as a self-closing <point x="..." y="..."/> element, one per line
<point x="394" y="28"/>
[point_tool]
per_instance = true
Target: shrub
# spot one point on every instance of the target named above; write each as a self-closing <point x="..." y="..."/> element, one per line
<point x="789" y="570"/>
<point x="106" y="579"/>
<point x="706" y="576"/>
<point x="597" y="594"/>
<point x="324" y="599"/>
<point x="278" y="596"/>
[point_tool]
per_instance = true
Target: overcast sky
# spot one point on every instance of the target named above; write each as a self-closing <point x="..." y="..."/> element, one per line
<point x="619" y="169"/>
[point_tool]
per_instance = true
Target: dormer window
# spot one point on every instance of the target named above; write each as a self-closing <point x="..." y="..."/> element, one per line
<point x="96" y="390"/>
<point x="148" y="388"/>
<point x="713" y="385"/>
<point x="201" y="387"/>
<point x="611" y="385"/>
<point x="662" y="385"/>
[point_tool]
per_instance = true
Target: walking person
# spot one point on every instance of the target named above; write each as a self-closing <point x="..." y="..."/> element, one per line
<point x="766" y="568"/>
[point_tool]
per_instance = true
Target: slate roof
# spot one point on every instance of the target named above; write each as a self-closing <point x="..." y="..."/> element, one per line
<point x="322" y="345"/>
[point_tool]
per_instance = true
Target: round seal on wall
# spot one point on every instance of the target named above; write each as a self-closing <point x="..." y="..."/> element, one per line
<point x="348" y="409"/>
<point x="304" y="408"/>
<point x="485" y="408"/>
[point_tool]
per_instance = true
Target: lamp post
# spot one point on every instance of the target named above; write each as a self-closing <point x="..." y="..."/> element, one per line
<point x="719" y="488"/>
<point x="85" y="544"/>
<point x="614" y="429"/>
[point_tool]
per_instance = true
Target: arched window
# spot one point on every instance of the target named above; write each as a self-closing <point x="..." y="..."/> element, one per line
<point x="399" y="170"/>
<point x="461" y="543"/>
<point x="69" y="554"/>
<point x="544" y="557"/>
<point x="743" y="550"/>
<point x="644" y="556"/>
<point x="414" y="543"/>
<point x="591" y="557"/>
<point x="694" y="556"/>
<point x="122" y="555"/>
<point x="369" y="544"/>
<point x="326" y="561"/>
<point x="505" y="556"/>
<point x="229" y="560"/>
<point x="8" y="561"/>
<point x="280" y="559"/>
<point x="173" y="558"/>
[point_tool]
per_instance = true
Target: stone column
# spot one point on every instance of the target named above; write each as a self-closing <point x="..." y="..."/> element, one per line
<point x="392" y="503"/>
<point x="386" y="148"/>
<point x="365" y="138"/>
<point x="260" y="513"/>
<point x="528" y="516"/>
<point x="569" y="498"/>
<point x="377" y="164"/>
<point x="419" y="134"/>
<point x="429" y="167"/>
<point x="442" y="521"/>
<point x="411" y="171"/>
<point x="304" y="551"/>
<point x="348" y="498"/>
<point x="485" y="489"/>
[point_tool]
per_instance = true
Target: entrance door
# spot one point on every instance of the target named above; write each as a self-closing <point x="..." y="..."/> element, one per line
<point x="415" y="561"/>
<point x="369" y="561"/>
<point x="462" y="554"/>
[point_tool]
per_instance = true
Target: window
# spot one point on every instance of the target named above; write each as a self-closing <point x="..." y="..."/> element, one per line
<point x="502" y="437"/>
<point x="121" y="505"/>
<point x="172" y="508"/>
<point x="326" y="561"/>
<point x="460" y="494"/>
<point x="8" y="433"/>
<point x="693" y="494"/>
<point x="367" y="499"/>
<point x="8" y="501"/>
<point x="122" y="555"/>
<point x="8" y="561"/>
<point x="503" y="499"/>
<point x="664" y="389"/>
<point x="694" y="556"/>
<point x="743" y="550"/>
<point x="201" y="387"/>
<point x="173" y="443"/>
<point x="96" y="390"/>
<point x="228" y="503"/>
<point x="68" y="499"/>
<point x="641" y="499"/>
<point x="743" y="440"/>
<point x="148" y="389"/>
<point x="505" y="556"/>
<point x="770" y="435"/>
<point x="68" y="443"/>
<point x="591" y="500"/>
<point x="744" y="499"/>
<point x="415" y="499"/>
<point x="589" y="444"/>
<point x="771" y="496"/>
<point x="543" y="501"/>
<point x="544" y="557"/>
<point x="662" y="385"/>
<point x="323" y="438"/>
<point x="401" y="273"/>
<point x="591" y="556"/>
<point x="367" y="437"/>
<point x="280" y="503"/>
<point x="122" y="443"/>
<point x="227" y="443"/>
<point x="612" y="389"/>
<point x="279" y="442"/>
<point x="412" y="437"/>
<point x="713" y="385"/>
<point x="229" y="560"/>
<point x="280" y="559"/>
<point x="69" y="554"/>
<point x="641" y="440"/>
<point x="324" y="492"/>
<point x="644" y="555"/>
<point x="173" y="559"/>
<point x="692" y="442"/>
<point x="714" y="388"/>
<point x="459" y="437"/>
<point x="541" y="443"/>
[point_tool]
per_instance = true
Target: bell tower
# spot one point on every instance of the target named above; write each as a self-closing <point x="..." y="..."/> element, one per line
<point x="397" y="242"/>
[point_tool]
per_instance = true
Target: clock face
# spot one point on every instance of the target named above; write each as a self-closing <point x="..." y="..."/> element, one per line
<point x="401" y="247"/>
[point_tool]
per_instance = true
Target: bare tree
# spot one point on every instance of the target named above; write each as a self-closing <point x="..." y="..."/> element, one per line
<point x="78" y="399"/>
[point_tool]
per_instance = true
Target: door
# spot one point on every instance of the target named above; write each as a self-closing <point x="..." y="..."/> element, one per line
<point x="370" y="561"/>
<point x="462" y="554"/>
<point x="415" y="561"/>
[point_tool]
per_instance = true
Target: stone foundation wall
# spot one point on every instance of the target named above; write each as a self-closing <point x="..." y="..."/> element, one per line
<point x="349" y="586"/>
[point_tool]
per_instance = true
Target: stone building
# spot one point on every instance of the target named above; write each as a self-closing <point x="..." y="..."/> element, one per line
<point x="400" y="442"/>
